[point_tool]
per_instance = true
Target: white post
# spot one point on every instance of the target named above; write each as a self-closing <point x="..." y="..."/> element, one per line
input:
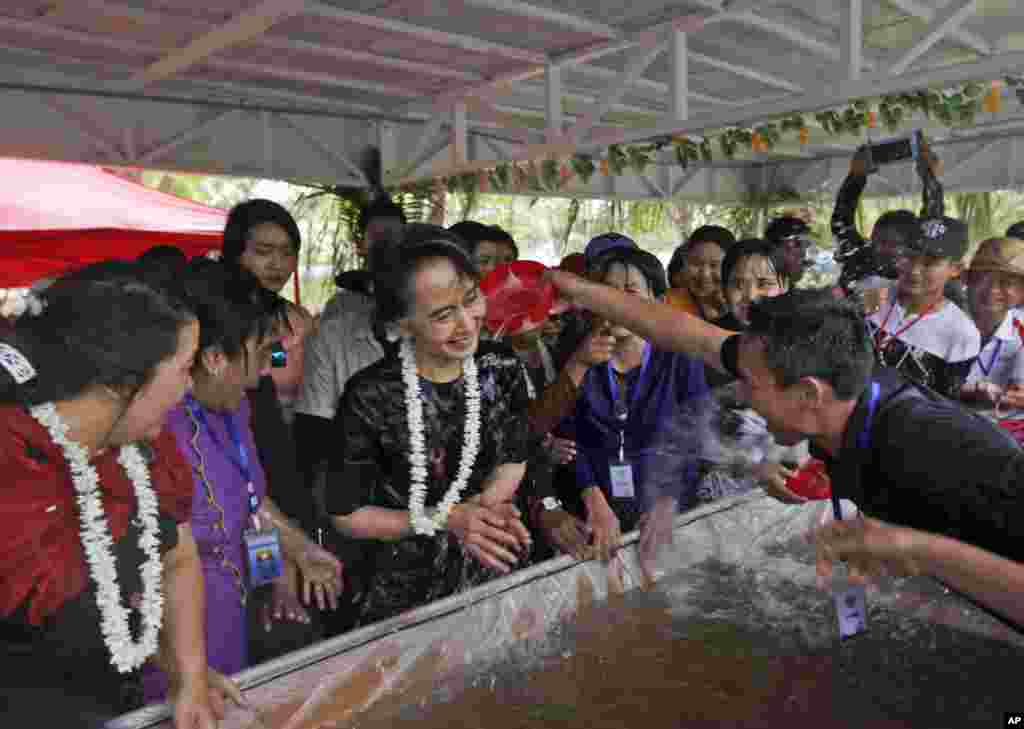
<point x="680" y="89"/>
<point x="553" y="102"/>
<point x="460" y="134"/>
<point x="852" y="33"/>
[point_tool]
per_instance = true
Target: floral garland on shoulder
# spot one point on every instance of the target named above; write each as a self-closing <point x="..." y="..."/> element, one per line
<point x="421" y="522"/>
<point x="126" y="654"/>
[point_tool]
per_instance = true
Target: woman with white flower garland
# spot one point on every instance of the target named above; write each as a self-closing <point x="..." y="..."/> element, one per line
<point x="434" y="436"/>
<point x="99" y="572"/>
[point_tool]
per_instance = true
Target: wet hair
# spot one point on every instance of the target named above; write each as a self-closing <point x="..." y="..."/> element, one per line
<point x="231" y="305"/>
<point x="785" y="226"/>
<point x="811" y="333"/>
<point x="396" y="266"/>
<point x="247" y="215"/>
<point x="500" y="235"/>
<point x="472" y="234"/>
<point x="722" y="237"/>
<point x="749" y="248"/>
<point x="107" y="325"/>
<point x="903" y="222"/>
<point x="170" y="256"/>
<point x="647" y="263"/>
<point x="380" y="207"/>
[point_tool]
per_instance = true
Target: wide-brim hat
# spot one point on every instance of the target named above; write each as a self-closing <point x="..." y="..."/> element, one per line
<point x="1000" y="254"/>
<point x="519" y="298"/>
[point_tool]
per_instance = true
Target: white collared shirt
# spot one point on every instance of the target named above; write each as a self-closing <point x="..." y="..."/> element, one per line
<point x="1001" y="360"/>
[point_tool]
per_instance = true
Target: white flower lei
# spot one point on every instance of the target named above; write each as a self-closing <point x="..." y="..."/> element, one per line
<point x="418" y="518"/>
<point x="126" y="654"/>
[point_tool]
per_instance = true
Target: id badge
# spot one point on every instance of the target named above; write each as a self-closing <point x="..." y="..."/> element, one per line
<point x="851" y="609"/>
<point x="622" y="480"/>
<point x="264" y="552"/>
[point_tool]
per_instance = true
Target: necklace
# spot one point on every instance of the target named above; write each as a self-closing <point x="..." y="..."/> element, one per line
<point x="882" y="337"/>
<point x="418" y="518"/>
<point x="126" y="654"/>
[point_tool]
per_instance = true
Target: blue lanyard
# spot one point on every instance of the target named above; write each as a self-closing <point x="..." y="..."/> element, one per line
<point x="242" y="461"/>
<point x="863" y="440"/>
<point x="622" y="406"/>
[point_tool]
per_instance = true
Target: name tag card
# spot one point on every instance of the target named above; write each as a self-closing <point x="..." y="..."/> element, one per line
<point x="851" y="609"/>
<point x="622" y="480"/>
<point x="264" y="552"/>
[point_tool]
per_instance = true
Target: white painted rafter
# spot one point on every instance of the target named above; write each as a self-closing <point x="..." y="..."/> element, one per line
<point x="91" y="130"/>
<point x="163" y="148"/>
<point x="919" y="10"/>
<point x="245" y="26"/>
<point x="640" y="62"/>
<point x="942" y="24"/>
<point x="331" y="151"/>
<point x="455" y="40"/>
<point x="547" y="15"/>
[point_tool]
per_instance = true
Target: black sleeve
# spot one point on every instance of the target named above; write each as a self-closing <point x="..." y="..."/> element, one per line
<point x="949" y="472"/>
<point x="276" y="446"/>
<point x="354" y="469"/>
<point x="951" y="376"/>
<point x="853" y="252"/>
<point x="933" y="200"/>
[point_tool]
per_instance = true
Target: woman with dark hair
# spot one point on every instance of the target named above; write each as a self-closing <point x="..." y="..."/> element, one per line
<point x="694" y="272"/>
<point x="263" y="237"/>
<point x="753" y="269"/>
<point x="99" y="571"/>
<point x="434" y="436"/>
<point x="231" y="510"/>
<point x="632" y="453"/>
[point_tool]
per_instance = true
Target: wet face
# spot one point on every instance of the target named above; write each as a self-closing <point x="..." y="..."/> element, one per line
<point x="794" y="255"/>
<point x="923" y="278"/>
<point x="783" y="408"/>
<point x="147" y="413"/>
<point x="229" y="378"/>
<point x="270" y="254"/>
<point x="993" y="293"/>
<point x="888" y="244"/>
<point x="491" y="254"/>
<point x="447" y="313"/>
<point x="378" y="229"/>
<point x="753" y="278"/>
<point x="630" y="280"/>
<point x="702" y="275"/>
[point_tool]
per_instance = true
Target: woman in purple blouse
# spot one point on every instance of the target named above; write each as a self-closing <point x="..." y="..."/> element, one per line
<point x="636" y="418"/>
<point x="236" y="526"/>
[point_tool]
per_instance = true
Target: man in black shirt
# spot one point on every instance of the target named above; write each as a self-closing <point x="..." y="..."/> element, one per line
<point x="901" y="453"/>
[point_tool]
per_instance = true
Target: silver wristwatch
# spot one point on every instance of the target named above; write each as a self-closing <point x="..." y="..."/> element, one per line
<point x="550" y="503"/>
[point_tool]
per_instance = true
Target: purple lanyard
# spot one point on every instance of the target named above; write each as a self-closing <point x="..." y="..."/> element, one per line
<point x="621" y="406"/>
<point x="864" y="441"/>
<point x="992" y="362"/>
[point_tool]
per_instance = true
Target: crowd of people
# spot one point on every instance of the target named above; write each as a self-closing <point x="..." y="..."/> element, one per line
<point x="203" y="476"/>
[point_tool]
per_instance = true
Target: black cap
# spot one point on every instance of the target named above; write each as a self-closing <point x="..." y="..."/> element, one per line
<point x="787" y="226"/>
<point x="943" y="237"/>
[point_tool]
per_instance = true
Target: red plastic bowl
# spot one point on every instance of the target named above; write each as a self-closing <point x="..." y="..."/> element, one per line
<point x="811" y="481"/>
<point x="518" y="297"/>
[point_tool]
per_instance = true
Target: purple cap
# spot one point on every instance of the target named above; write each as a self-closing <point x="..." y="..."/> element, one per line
<point x="606" y="242"/>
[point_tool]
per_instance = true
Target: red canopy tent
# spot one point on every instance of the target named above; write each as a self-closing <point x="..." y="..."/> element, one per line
<point x="56" y="216"/>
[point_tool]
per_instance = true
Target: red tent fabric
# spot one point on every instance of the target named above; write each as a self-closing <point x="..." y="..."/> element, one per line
<point x="57" y="216"/>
